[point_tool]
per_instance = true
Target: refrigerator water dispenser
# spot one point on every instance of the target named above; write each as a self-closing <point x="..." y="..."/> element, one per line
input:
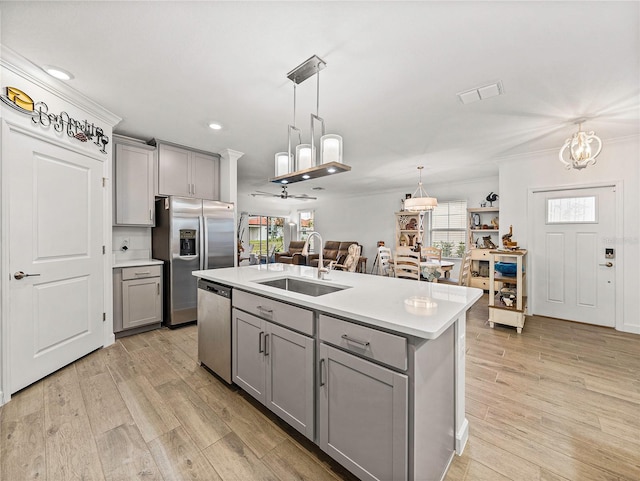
<point x="187" y="242"/>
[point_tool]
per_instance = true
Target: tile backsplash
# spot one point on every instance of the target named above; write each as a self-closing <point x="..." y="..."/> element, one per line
<point x="138" y="240"/>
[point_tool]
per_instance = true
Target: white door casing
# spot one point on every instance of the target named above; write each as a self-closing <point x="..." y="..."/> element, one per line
<point x="55" y="231"/>
<point x="572" y="279"/>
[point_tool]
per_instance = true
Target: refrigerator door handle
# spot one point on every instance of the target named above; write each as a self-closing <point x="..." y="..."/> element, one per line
<point x="203" y="244"/>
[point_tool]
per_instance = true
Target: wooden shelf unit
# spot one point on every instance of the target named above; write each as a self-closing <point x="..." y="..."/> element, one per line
<point x="515" y="314"/>
<point x="411" y="236"/>
<point x="480" y="257"/>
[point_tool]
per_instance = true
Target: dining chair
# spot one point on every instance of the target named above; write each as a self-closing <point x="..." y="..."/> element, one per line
<point x="464" y="274"/>
<point x="385" y="261"/>
<point x="406" y="263"/>
<point x="350" y="261"/>
<point x="430" y="253"/>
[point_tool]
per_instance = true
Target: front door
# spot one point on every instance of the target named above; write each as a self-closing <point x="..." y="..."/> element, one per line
<point x="56" y="293"/>
<point x="573" y="277"/>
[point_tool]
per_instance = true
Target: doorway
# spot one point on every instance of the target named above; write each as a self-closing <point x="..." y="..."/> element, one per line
<point x="266" y="237"/>
<point x="574" y="254"/>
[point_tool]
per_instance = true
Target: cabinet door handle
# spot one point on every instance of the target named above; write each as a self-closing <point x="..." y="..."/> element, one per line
<point x="194" y="189"/>
<point x="150" y="215"/>
<point x="266" y="344"/>
<point x="158" y="288"/>
<point x="355" y="341"/>
<point x="322" y="381"/>
<point x="260" y="341"/>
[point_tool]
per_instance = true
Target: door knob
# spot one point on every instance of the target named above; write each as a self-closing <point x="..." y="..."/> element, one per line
<point x="19" y="275"/>
<point x="608" y="264"/>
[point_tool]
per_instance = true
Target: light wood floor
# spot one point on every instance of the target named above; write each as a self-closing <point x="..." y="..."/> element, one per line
<point x="561" y="401"/>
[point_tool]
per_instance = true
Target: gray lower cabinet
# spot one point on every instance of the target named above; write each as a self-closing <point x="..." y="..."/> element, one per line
<point x="363" y="415"/>
<point x="384" y="402"/>
<point x="137" y="298"/>
<point x="275" y="365"/>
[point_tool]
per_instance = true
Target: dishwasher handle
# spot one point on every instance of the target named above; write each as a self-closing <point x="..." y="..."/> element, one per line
<point x="218" y="289"/>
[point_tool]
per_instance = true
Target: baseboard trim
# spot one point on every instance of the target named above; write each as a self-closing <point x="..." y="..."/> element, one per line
<point x="462" y="436"/>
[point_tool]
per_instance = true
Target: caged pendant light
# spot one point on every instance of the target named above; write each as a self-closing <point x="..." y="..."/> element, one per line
<point x="307" y="161"/>
<point x="578" y="148"/>
<point x="420" y="200"/>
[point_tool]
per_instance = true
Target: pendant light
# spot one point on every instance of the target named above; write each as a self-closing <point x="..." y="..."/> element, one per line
<point x="309" y="160"/>
<point x="578" y="147"/>
<point x="420" y="200"/>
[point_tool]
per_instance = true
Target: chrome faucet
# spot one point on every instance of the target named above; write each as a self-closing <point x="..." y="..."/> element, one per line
<point x="305" y="252"/>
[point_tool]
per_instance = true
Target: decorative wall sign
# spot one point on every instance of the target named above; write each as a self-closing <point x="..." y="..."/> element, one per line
<point x="81" y="130"/>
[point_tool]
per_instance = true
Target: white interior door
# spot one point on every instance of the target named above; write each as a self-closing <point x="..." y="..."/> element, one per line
<point x="573" y="278"/>
<point x="56" y="237"/>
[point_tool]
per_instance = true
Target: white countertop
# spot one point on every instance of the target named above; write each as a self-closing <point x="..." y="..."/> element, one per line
<point x="137" y="263"/>
<point x="374" y="300"/>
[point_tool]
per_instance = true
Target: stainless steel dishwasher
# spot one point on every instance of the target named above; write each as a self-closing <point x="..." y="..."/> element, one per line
<point x="214" y="327"/>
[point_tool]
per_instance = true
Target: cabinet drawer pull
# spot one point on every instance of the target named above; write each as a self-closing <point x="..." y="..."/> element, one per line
<point x="322" y="382"/>
<point x="264" y="309"/>
<point x="260" y="341"/>
<point x="355" y="341"/>
<point x="142" y="273"/>
<point x="266" y="344"/>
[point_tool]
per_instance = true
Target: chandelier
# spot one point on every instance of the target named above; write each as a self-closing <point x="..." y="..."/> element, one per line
<point x="302" y="162"/>
<point x="577" y="150"/>
<point x="420" y="200"/>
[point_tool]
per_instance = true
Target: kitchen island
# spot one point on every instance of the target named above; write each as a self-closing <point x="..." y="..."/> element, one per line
<point x="373" y="372"/>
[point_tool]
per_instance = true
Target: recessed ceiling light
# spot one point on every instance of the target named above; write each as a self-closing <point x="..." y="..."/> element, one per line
<point x="215" y="126"/>
<point x="57" y="72"/>
<point x="331" y="170"/>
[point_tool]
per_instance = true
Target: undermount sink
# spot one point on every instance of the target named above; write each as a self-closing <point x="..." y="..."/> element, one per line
<point x="292" y="284"/>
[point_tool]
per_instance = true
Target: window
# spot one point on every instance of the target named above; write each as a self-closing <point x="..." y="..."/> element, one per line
<point x="448" y="228"/>
<point x="571" y="210"/>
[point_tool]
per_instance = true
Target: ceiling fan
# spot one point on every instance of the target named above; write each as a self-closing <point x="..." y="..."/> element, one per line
<point x="284" y="195"/>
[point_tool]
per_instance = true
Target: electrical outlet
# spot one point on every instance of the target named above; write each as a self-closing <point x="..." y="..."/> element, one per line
<point x="125" y="244"/>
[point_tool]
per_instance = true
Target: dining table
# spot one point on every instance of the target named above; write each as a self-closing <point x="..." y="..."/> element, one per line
<point x="444" y="267"/>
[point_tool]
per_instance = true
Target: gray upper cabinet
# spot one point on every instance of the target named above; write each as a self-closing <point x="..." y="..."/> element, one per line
<point x="187" y="173"/>
<point x="134" y="184"/>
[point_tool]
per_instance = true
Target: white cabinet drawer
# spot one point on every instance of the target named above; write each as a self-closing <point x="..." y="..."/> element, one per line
<point x="370" y="343"/>
<point x="141" y="272"/>
<point x="483" y="283"/>
<point x="480" y="254"/>
<point x="287" y="315"/>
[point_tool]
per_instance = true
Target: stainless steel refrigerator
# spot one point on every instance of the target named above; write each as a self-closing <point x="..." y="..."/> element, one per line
<point x="190" y="235"/>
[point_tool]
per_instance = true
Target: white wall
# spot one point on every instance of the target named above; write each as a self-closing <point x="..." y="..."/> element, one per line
<point x="139" y="239"/>
<point x="618" y="162"/>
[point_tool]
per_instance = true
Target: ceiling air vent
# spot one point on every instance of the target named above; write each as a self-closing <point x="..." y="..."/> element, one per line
<point x="481" y="93"/>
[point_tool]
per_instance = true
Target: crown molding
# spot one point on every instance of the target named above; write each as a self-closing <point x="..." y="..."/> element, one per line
<point x="16" y="63"/>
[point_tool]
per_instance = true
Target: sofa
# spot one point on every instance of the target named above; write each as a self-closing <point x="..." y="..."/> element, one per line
<point x="332" y="251"/>
<point x="293" y="255"/>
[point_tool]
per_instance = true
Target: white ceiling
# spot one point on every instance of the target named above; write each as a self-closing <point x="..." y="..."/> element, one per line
<point x="393" y="71"/>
